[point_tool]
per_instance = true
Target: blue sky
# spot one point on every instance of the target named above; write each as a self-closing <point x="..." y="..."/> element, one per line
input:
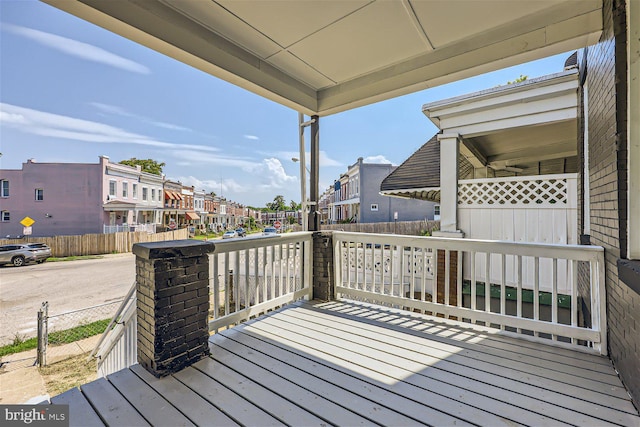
<point x="71" y="91"/>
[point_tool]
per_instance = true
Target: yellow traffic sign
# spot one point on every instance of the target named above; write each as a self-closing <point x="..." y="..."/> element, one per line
<point x="27" y="222"/>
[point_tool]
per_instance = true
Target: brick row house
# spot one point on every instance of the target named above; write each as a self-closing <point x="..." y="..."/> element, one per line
<point x="103" y="197"/>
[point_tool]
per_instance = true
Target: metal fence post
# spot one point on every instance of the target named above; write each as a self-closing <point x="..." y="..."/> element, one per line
<point x="43" y="317"/>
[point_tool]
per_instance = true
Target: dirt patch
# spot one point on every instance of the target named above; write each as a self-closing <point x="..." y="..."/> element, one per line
<point x="69" y="373"/>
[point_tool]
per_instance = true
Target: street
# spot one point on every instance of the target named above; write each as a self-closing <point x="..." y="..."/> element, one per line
<point x="69" y="285"/>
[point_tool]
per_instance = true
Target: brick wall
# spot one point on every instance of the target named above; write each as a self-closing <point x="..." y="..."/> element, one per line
<point x="172" y="304"/>
<point x="606" y="79"/>
<point x="323" y="286"/>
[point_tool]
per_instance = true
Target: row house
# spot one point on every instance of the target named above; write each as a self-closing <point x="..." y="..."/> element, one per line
<point x="78" y="198"/>
<point x="104" y="197"/>
<point x="355" y="197"/>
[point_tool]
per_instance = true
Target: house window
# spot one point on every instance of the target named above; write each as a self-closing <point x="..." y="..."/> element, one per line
<point x="374" y="207"/>
<point x="112" y="188"/>
<point x="39" y="194"/>
<point x="436" y="210"/>
<point x="153" y="194"/>
<point x="145" y="192"/>
<point x="159" y="195"/>
<point x="6" y="217"/>
<point x="125" y="190"/>
<point x="134" y="190"/>
<point x="4" y="188"/>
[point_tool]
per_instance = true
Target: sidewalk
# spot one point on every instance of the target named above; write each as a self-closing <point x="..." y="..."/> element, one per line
<point x="21" y="381"/>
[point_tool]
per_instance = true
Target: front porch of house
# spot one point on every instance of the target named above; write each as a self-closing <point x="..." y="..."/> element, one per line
<point x="294" y="340"/>
<point x="350" y="363"/>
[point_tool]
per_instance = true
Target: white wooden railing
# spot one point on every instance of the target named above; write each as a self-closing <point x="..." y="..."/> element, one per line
<point x="146" y="228"/>
<point x="405" y="272"/>
<point x="117" y="348"/>
<point x="251" y="276"/>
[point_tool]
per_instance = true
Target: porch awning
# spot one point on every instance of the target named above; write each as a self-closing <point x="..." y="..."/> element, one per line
<point x="418" y="177"/>
<point x="168" y="195"/>
<point x="192" y="215"/>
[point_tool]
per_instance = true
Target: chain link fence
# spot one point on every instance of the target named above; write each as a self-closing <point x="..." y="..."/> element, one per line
<point x="66" y="334"/>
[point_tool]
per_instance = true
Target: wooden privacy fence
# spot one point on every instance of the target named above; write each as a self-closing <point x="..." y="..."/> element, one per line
<point x="97" y="244"/>
<point x="407" y="228"/>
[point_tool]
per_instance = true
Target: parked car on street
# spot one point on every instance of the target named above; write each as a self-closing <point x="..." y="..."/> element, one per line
<point x="40" y="250"/>
<point x="229" y="234"/>
<point x="269" y="231"/>
<point x="240" y="232"/>
<point x="18" y="255"/>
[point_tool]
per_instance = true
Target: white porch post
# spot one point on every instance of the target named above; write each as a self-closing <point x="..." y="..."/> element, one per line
<point x="449" y="185"/>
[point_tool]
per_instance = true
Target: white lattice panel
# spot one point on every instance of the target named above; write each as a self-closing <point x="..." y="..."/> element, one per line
<point x="516" y="191"/>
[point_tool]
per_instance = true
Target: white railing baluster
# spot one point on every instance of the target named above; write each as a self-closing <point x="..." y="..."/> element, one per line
<point x="459" y="283"/>
<point x="519" y="290"/>
<point x="536" y="291"/>
<point x="503" y="289"/>
<point x="447" y="275"/>
<point x="487" y="282"/>
<point x="554" y="295"/>
<point x="488" y="262"/>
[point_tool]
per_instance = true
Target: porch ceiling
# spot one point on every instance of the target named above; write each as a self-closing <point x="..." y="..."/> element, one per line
<point x="323" y="57"/>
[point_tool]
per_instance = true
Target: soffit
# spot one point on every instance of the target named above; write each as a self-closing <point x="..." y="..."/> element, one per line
<point x="322" y="57"/>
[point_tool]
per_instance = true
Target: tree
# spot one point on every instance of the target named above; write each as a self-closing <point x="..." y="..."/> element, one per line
<point x="518" y="80"/>
<point x="147" y="165"/>
<point x="295" y="206"/>
<point x="277" y="204"/>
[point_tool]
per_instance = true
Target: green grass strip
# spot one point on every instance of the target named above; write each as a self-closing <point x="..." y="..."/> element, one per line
<point x="74" y="258"/>
<point x="57" y="338"/>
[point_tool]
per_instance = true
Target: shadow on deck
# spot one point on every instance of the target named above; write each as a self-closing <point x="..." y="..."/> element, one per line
<point x="347" y="363"/>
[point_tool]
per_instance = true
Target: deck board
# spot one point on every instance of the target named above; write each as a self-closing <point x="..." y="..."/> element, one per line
<point x="448" y="359"/>
<point x="392" y="350"/>
<point x="199" y="411"/>
<point x="476" y="346"/>
<point x="346" y="363"/>
<point x="84" y="414"/>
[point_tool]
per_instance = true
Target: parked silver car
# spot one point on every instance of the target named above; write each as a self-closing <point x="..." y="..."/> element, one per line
<point x="18" y="255"/>
<point x="40" y="250"/>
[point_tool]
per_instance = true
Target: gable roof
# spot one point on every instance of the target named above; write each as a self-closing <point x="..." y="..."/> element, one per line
<point x="418" y="177"/>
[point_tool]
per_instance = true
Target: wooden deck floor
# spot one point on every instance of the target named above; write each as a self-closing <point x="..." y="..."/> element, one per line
<point x="344" y="363"/>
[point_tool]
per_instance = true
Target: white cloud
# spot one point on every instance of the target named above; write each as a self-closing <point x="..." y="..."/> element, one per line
<point x="208" y="185"/>
<point x="189" y="158"/>
<point x="325" y="160"/>
<point x="376" y="159"/>
<point x="52" y="125"/>
<point x="252" y="137"/>
<point x="78" y="49"/>
<point x="118" y="111"/>
<point x="275" y="173"/>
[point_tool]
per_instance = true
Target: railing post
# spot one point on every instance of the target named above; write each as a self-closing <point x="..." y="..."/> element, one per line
<point x="43" y="334"/>
<point x="323" y="266"/>
<point x="172" y="304"/>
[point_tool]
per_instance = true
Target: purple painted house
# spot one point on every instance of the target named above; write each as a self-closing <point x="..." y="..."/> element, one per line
<point x="78" y="198"/>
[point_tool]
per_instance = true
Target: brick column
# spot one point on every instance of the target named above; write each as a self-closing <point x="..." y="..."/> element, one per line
<point x="323" y="269"/>
<point x="173" y="304"/>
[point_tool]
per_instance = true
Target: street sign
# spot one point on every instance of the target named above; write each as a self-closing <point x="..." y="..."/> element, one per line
<point x="26" y="231"/>
<point x="277" y="225"/>
<point x="27" y="222"/>
<point x="172" y="225"/>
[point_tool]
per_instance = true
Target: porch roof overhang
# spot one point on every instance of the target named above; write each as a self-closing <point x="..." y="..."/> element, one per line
<point x="514" y="124"/>
<point x="499" y="128"/>
<point x="119" y="205"/>
<point x="331" y="57"/>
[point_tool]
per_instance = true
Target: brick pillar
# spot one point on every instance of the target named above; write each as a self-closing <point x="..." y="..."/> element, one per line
<point x="323" y="269"/>
<point x="173" y="304"/>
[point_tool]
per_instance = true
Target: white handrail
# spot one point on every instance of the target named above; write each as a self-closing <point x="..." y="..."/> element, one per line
<point x="251" y="276"/>
<point x="447" y="276"/>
